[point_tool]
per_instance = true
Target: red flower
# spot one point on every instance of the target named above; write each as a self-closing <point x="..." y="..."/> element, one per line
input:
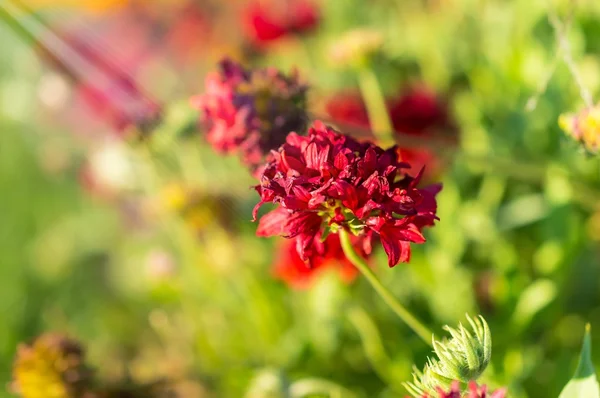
<point x="290" y="268"/>
<point x="474" y="392"/>
<point x="416" y="111"/>
<point x="266" y="21"/>
<point x="328" y="181"/>
<point x="251" y="111"/>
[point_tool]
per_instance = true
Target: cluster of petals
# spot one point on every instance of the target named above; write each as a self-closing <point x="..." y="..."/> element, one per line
<point x="250" y="111"/>
<point x="266" y="21"/>
<point x="474" y="391"/>
<point x="416" y="111"/>
<point x="327" y="255"/>
<point x="328" y="181"/>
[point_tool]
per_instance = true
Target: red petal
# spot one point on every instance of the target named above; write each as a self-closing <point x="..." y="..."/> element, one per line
<point x="273" y="223"/>
<point x="397" y="250"/>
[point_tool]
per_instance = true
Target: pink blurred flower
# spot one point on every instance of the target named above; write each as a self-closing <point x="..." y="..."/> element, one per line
<point x="475" y="391"/>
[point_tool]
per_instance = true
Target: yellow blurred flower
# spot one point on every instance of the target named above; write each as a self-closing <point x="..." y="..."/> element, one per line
<point x="198" y="210"/>
<point x="584" y="127"/>
<point x="52" y="367"/>
<point x="174" y="196"/>
<point x="89" y="5"/>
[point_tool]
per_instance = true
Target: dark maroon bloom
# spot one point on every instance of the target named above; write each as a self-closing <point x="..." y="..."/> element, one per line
<point x="475" y="391"/>
<point x="267" y="21"/>
<point x="327" y="181"/>
<point x="327" y="254"/>
<point x="416" y="111"/>
<point x="251" y="111"/>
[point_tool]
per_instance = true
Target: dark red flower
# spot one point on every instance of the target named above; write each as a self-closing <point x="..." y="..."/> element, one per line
<point x="268" y="20"/>
<point x="475" y="391"/>
<point x="251" y="111"/>
<point x="327" y="254"/>
<point x="416" y="111"/>
<point x="327" y="181"/>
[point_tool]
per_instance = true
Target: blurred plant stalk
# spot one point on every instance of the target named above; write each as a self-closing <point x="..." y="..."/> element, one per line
<point x="376" y="107"/>
<point x="411" y="321"/>
<point x="112" y="91"/>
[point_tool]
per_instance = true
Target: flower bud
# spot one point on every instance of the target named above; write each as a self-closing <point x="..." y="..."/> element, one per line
<point x="357" y="47"/>
<point x="268" y="383"/>
<point x="461" y="358"/>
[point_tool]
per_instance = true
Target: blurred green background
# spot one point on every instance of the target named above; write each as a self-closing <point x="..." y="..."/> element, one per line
<point x="154" y="292"/>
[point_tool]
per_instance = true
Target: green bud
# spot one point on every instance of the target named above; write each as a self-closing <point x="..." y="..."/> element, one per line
<point x="269" y="383"/>
<point x="463" y="357"/>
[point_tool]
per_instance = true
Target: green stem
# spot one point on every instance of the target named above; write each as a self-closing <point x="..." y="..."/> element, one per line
<point x="421" y="330"/>
<point x="379" y="117"/>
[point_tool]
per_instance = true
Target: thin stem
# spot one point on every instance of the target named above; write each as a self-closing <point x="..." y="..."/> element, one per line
<point x="372" y="345"/>
<point x="379" y="117"/>
<point x="421" y="330"/>
<point x="558" y="56"/>
<point x="560" y="32"/>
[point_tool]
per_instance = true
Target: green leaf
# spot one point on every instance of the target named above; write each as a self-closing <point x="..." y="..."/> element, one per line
<point x="326" y="232"/>
<point x="584" y="383"/>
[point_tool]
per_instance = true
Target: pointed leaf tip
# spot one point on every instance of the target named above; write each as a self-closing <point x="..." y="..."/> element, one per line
<point x="585" y="368"/>
<point x="584" y="383"/>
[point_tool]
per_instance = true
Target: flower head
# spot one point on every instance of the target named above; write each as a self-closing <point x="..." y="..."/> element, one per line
<point x="268" y="21"/>
<point x="327" y="254"/>
<point x="584" y="127"/>
<point x="52" y="367"/>
<point x="327" y="181"/>
<point x="251" y="111"/>
<point x="474" y="391"/>
<point x="463" y="357"/>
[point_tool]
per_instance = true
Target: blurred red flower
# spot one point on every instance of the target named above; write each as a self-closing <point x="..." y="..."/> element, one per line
<point x="290" y="268"/>
<point x="328" y="181"/>
<point x="190" y="33"/>
<point x="417" y="111"/>
<point x="250" y="111"/>
<point x="475" y="391"/>
<point x="268" y="20"/>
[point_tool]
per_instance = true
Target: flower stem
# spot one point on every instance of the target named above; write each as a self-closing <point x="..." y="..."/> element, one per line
<point x="379" y="117"/>
<point x="421" y="330"/>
